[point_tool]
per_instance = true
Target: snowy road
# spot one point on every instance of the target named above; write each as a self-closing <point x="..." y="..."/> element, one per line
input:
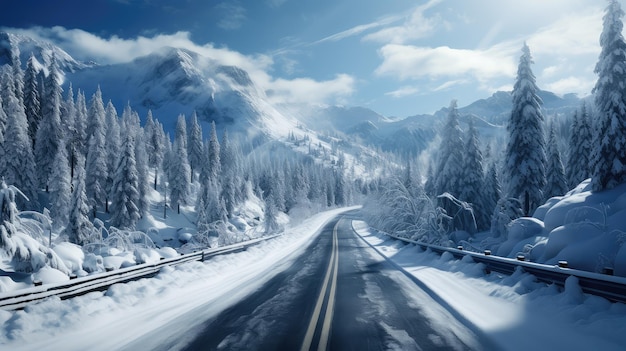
<point x="340" y="295"/>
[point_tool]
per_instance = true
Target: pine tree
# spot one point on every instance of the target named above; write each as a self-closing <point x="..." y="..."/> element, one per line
<point x="450" y="157"/>
<point x="556" y="184"/>
<point x="471" y="183"/>
<point x="580" y="149"/>
<point x="228" y="176"/>
<point x="525" y="152"/>
<point x="492" y="189"/>
<point x="195" y="146"/>
<point x="571" y="172"/>
<point x="18" y="161"/>
<point x="271" y="214"/>
<point x="155" y="147"/>
<point x="79" y="227"/>
<point x="60" y="189"/>
<point x="179" y="172"/>
<point x="18" y="74"/>
<point x="77" y="143"/>
<point x="49" y="133"/>
<point x="32" y="105"/>
<point x="112" y="146"/>
<point x="96" y="169"/>
<point x="214" y="164"/>
<point x="141" y="159"/>
<point x="125" y="190"/>
<point x="609" y="154"/>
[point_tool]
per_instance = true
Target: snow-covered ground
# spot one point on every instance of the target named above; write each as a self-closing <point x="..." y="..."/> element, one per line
<point x="154" y="313"/>
<point x="516" y="312"/>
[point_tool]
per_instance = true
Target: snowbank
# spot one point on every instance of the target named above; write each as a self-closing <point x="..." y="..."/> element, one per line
<point x="587" y="229"/>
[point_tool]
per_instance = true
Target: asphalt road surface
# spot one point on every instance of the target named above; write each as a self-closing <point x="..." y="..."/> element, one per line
<point x="340" y="295"/>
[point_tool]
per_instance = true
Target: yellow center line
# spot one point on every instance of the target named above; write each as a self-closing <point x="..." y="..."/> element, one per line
<point x="328" y="316"/>
<point x="308" y="338"/>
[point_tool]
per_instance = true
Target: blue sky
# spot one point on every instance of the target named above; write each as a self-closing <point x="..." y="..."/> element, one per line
<point x="398" y="57"/>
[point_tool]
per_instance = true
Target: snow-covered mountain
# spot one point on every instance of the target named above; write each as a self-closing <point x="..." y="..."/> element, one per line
<point x="43" y="52"/>
<point x="172" y="81"/>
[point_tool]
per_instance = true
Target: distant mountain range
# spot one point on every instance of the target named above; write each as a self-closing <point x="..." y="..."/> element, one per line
<point x="172" y="81"/>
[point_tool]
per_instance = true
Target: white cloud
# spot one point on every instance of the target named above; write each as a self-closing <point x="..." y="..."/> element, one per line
<point x="356" y="30"/>
<point x="412" y="62"/>
<point x="449" y="84"/>
<point x="86" y="46"/>
<point x="574" y="34"/>
<point x="306" y="90"/>
<point x="578" y="85"/>
<point x="403" y="92"/>
<point x="415" y="26"/>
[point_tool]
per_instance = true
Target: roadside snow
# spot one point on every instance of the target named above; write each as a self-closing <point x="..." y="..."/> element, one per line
<point x="516" y="312"/>
<point x="171" y="306"/>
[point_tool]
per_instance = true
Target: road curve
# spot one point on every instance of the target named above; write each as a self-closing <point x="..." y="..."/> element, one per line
<point x="340" y="295"/>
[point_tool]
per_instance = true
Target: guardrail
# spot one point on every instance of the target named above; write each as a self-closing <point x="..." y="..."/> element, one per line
<point x="15" y="300"/>
<point x="610" y="287"/>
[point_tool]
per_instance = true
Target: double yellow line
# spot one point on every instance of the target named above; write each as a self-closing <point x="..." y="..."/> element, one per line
<point x="330" y="278"/>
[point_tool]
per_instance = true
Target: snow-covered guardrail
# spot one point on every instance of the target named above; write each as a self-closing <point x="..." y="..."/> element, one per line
<point x="15" y="300"/>
<point x="610" y="287"/>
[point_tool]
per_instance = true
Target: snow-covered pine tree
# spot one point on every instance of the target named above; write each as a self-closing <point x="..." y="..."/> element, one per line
<point x="77" y="147"/>
<point x="79" y="227"/>
<point x="113" y="147"/>
<point x="60" y="189"/>
<point x="125" y="195"/>
<point x="155" y="147"/>
<point x="609" y="154"/>
<point x="3" y="123"/>
<point x="18" y="160"/>
<point x="18" y="74"/>
<point x="68" y="116"/>
<point x="300" y="184"/>
<point x="277" y="186"/>
<point x="448" y="169"/>
<point x="49" y="132"/>
<point x="571" y="171"/>
<point x="341" y="188"/>
<point x="271" y="213"/>
<point x="556" y="184"/>
<point x="214" y="163"/>
<point x="179" y="170"/>
<point x="471" y="180"/>
<point x="228" y="175"/>
<point x="195" y="145"/>
<point x="32" y="100"/>
<point x="525" y="153"/>
<point x="579" y="162"/>
<point x="96" y="168"/>
<point x="450" y="156"/>
<point x="492" y="189"/>
<point x="141" y="159"/>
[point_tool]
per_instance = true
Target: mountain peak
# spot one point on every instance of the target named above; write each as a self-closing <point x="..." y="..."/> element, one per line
<point x="42" y="51"/>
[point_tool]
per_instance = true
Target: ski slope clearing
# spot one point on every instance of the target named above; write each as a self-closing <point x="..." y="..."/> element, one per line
<point x="164" y="312"/>
<point x="516" y="312"/>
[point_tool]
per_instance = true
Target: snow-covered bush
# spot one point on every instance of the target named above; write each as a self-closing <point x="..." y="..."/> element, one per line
<point x="405" y="211"/>
<point x="26" y="252"/>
